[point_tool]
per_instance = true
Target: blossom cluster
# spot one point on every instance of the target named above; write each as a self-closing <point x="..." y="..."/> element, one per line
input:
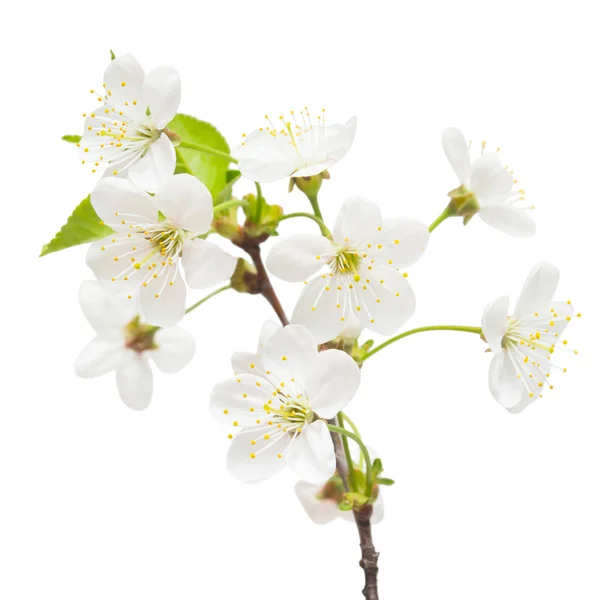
<point x="285" y="403"/>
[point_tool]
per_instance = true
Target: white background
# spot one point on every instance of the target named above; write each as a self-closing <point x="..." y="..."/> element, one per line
<point x="99" y="502"/>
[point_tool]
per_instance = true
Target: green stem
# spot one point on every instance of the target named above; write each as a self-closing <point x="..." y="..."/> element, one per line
<point x="446" y="213"/>
<point x="229" y="204"/>
<point x="355" y="430"/>
<point x="314" y="202"/>
<point x="316" y="219"/>
<point x="260" y="203"/>
<point x="207" y="150"/>
<point x="363" y="449"/>
<point x="211" y="295"/>
<point x="375" y="350"/>
<point x="349" y="461"/>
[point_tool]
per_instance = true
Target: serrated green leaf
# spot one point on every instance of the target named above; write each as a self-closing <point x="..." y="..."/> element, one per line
<point x="72" y="139"/>
<point x="82" y="226"/>
<point x="211" y="170"/>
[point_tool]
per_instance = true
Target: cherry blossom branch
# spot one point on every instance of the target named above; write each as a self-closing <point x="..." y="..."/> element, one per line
<point x="375" y="350"/>
<point x="316" y="219"/>
<point x="368" y="562"/>
<point x="207" y="150"/>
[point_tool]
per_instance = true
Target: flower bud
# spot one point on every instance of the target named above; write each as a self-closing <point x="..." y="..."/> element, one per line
<point x="245" y="278"/>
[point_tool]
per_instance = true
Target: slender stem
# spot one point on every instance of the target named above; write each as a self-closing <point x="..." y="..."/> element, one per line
<point x="375" y="350"/>
<point x="229" y="204"/>
<point x="363" y="449"/>
<point x="443" y="216"/>
<point x="266" y="289"/>
<point x="260" y="202"/>
<point x="314" y="202"/>
<point x="207" y="150"/>
<point x="369" y="555"/>
<point x="319" y="221"/>
<point x="349" y="461"/>
<point x="211" y="295"/>
<point x="340" y="458"/>
<point x="355" y="429"/>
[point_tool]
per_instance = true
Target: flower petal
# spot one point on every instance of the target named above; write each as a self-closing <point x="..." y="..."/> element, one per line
<point x="538" y="290"/>
<point x="247" y="363"/>
<point x="163" y="304"/>
<point x="100" y="356"/>
<point x="507" y="218"/>
<point x="232" y="400"/>
<point x="336" y="140"/>
<point x="265" y="464"/>
<point x="206" y="264"/>
<point x="320" y="510"/>
<point x="358" y="219"/>
<point x="311" y="455"/>
<point x="401" y="241"/>
<point x="134" y="380"/>
<point x="162" y="93"/>
<point x="332" y="383"/>
<point x="186" y="201"/>
<point x="317" y="308"/>
<point x="297" y="257"/>
<point x="490" y="181"/>
<point x="457" y="153"/>
<point x="387" y="302"/>
<point x="105" y="260"/>
<point x="175" y="350"/>
<point x="508" y="389"/>
<point x="267" y="331"/>
<point x="266" y="157"/>
<point x="107" y="310"/>
<point x="290" y="353"/>
<point x="124" y="84"/>
<point x="494" y="323"/>
<point x="120" y="204"/>
<point x="155" y="168"/>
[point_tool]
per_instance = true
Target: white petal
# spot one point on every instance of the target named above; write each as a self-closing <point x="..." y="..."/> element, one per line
<point x="267" y="331"/>
<point x="126" y="70"/>
<point x="169" y="307"/>
<point x="247" y="363"/>
<point x="494" y="323"/>
<point x="352" y="326"/>
<point x="134" y="380"/>
<point x="337" y="140"/>
<point x="175" y="350"/>
<point x="538" y="290"/>
<point x="153" y="171"/>
<point x="311" y="455"/>
<point x="265" y="464"/>
<point x="105" y="260"/>
<point x="297" y="257"/>
<point x="506" y="387"/>
<point x="402" y="241"/>
<point x="206" y="264"/>
<point x="359" y="218"/>
<point x="317" y="309"/>
<point x="490" y="181"/>
<point x="457" y="152"/>
<point x="377" y="515"/>
<point x="162" y="93"/>
<point x="265" y="158"/>
<point x="116" y="200"/>
<point x="511" y="220"/>
<point x="387" y="303"/>
<point x="105" y="308"/>
<point x="232" y="399"/>
<point x="100" y="356"/>
<point x="321" y="511"/>
<point x="332" y="383"/>
<point x="186" y="201"/>
<point x="290" y="353"/>
<point x="314" y="169"/>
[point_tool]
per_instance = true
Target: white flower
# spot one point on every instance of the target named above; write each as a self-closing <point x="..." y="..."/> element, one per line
<point x="321" y="502"/>
<point x="279" y="403"/>
<point x="487" y="187"/>
<point x="126" y="134"/>
<point x="525" y="342"/>
<point x="362" y="263"/>
<point x="123" y="344"/>
<point x="297" y="148"/>
<point x="145" y="252"/>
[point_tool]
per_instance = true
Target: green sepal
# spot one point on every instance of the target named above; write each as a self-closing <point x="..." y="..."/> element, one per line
<point x="112" y="55"/>
<point x="377" y="467"/>
<point x="385" y="481"/>
<point x="72" y="139"/>
<point x="82" y="227"/>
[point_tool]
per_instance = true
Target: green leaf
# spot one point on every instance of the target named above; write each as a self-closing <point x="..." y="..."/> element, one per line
<point x="377" y="466"/>
<point x="385" y="481"/>
<point x="112" y="55"/>
<point x="211" y="170"/>
<point x="225" y="194"/>
<point x="82" y="226"/>
<point x="72" y="139"/>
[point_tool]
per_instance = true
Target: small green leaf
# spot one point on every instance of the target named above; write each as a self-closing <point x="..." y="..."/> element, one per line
<point x="82" y="226"/>
<point x="211" y="170"/>
<point x="385" y="481"/>
<point x="377" y="466"/>
<point x="72" y="139"/>
<point x="112" y="55"/>
<point x="225" y="194"/>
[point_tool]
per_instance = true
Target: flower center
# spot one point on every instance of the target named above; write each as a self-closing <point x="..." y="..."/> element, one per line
<point x="139" y="336"/>
<point x="346" y="262"/>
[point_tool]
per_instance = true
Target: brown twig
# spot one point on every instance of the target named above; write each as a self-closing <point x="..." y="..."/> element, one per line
<point x="368" y="561"/>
